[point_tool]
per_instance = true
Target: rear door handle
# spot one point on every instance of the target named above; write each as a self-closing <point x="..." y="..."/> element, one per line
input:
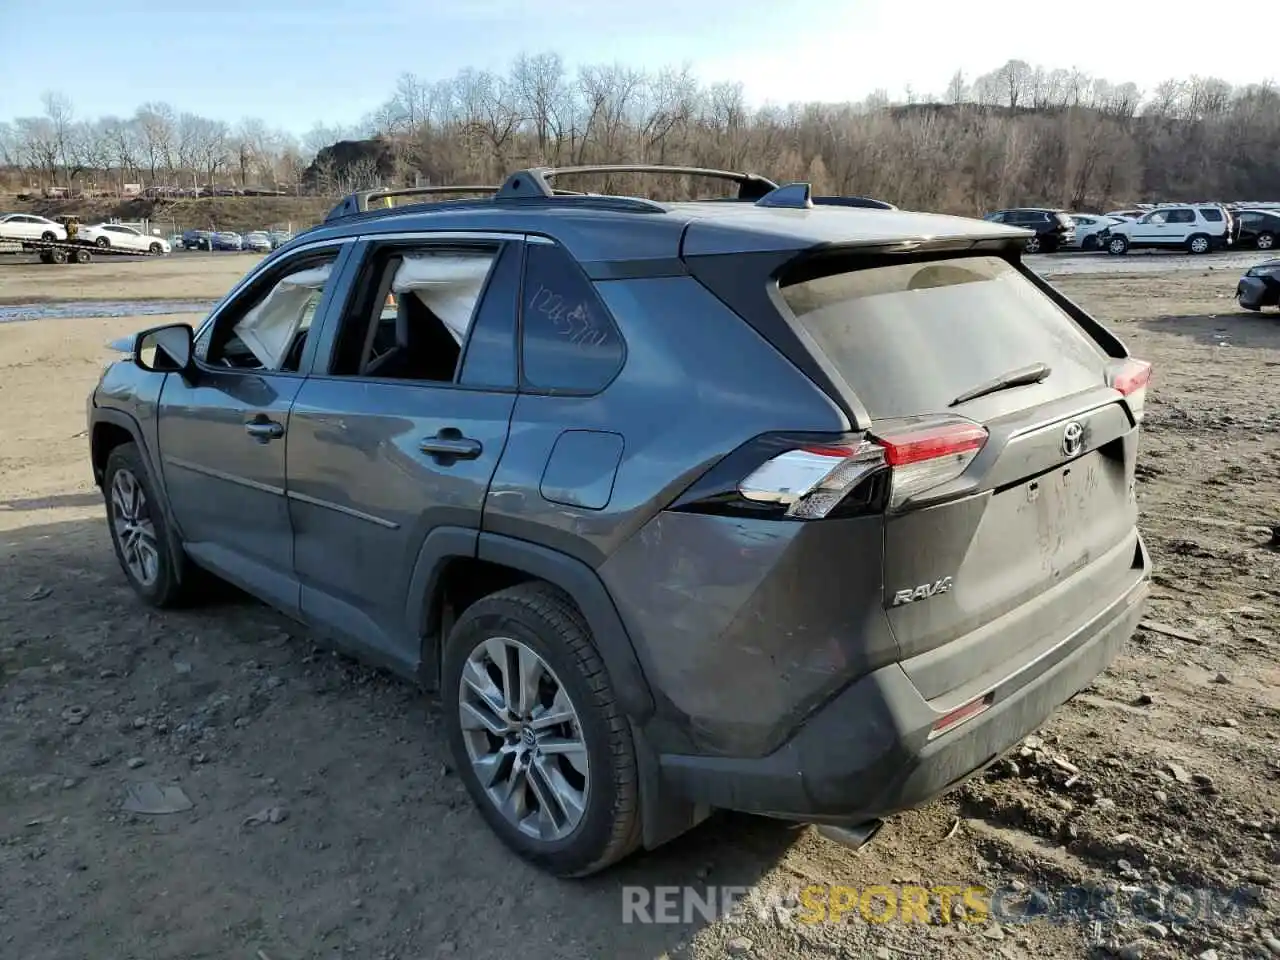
<point x="263" y="430"/>
<point x="449" y="443"/>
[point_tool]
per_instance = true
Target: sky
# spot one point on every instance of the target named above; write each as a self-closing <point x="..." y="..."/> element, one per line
<point x="296" y="63"/>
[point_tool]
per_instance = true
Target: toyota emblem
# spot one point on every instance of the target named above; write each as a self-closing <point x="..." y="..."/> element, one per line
<point x="1072" y="438"/>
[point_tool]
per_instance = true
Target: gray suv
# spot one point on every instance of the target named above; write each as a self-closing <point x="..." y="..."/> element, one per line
<point x="769" y="503"/>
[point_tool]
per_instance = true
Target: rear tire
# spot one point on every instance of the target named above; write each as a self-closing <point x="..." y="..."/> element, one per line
<point x="48" y="236"/>
<point x="139" y="530"/>
<point x="1033" y="245"/>
<point x="83" y="256"/>
<point x="1198" y="244"/>
<point x="591" y="818"/>
<point x="1266" y="241"/>
<point x="1118" y="246"/>
<point x="156" y="249"/>
<point x="102" y="242"/>
<point x="57" y="255"/>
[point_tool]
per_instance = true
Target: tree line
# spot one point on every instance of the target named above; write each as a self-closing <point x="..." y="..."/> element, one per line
<point x="1020" y="134"/>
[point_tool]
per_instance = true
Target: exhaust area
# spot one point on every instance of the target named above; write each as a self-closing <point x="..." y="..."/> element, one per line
<point x="854" y="837"/>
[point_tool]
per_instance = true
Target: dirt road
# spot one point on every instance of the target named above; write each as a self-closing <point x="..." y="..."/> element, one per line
<point x="1162" y="781"/>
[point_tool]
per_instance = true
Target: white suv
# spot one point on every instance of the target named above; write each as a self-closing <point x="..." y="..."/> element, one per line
<point x="1196" y="228"/>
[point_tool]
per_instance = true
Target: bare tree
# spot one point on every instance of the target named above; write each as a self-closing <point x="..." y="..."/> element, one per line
<point x="157" y="128"/>
<point x="58" y="110"/>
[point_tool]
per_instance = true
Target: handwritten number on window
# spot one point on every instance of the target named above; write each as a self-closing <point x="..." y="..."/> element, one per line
<point x="573" y="321"/>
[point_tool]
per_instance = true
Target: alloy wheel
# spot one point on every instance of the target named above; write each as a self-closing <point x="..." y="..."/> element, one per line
<point x="1265" y="241"/>
<point x="524" y="739"/>
<point x="1199" y="245"/>
<point x="134" y="529"/>
<point x="1033" y="245"/>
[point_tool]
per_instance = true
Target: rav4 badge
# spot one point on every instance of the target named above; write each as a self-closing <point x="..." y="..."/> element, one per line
<point x="922" y="592"/>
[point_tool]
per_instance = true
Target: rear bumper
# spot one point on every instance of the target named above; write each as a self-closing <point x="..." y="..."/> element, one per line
<point x="867" y="753"/>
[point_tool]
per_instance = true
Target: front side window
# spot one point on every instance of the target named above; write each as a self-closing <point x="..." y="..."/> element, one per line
<point x="266" y="330"/>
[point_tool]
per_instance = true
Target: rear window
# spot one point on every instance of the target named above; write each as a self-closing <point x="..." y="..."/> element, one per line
<point x="909" y="338"/>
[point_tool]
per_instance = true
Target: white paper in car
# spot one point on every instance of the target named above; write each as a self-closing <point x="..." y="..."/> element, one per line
<point x="448" y="284"/>
<point x="269" y="328"/>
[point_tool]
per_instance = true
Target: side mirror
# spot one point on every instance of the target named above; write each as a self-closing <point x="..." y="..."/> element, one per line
<point x="166" y="349"/>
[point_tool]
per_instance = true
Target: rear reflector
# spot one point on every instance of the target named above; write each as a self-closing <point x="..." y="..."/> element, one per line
<point x="959" y="715"/>
<point x="1130" y="378"/>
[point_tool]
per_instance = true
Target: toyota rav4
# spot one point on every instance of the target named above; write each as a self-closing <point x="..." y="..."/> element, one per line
<point x="775" y="504"/>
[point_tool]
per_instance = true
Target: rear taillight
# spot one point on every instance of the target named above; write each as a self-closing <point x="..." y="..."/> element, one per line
<point x="1130" y="378"/>
<point x="929" y="454"/>
<point x="812" y="480"/>
<point x="809" y="482"/>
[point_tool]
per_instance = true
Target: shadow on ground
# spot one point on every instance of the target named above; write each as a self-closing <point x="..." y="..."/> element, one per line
<point x="1235" y="328"/>
<point x="54" y="502"/>
<point x="379" y="851"/>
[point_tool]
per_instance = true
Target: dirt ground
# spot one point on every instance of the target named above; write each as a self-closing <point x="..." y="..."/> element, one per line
<point x="1156" y="792"/>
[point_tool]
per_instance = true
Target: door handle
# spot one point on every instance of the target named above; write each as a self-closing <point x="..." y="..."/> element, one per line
<point x="263" y="430"/>
<point x="450" y="444"/>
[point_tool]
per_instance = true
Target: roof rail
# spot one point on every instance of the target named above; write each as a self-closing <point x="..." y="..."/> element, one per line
<point x="536" y="181"/>
<point x="361" y="200"/>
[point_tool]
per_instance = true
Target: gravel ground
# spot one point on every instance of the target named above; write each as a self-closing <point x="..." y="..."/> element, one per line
<point x="325" y="821"/>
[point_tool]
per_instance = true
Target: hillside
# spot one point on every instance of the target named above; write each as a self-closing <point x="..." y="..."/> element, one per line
<point x="208" y="213"/>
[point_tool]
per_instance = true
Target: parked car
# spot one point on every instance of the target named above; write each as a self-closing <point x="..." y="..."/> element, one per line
<point x="1054" y="229"/>
<point x="27" y="226"/>
<point x="1260" y="286"/>
<point x="1088" y="227"/>
<point x="279" y="238"/>
<point x="679" y="506"/>
<point x="118" y="235"/>
<point x="197" y="240"/>
<point x="257" y="240"/>
<point x="1196" y="229"/>
<point x="227" y="240"/>
<point x="1257" y="228"/>
<point x="176" y="241"/>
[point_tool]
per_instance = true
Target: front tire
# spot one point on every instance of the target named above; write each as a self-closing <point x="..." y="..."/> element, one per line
<point x="536" y="733"/>
<point x="1033" y="245"/>
<point x="1118" y="246"/>
<point x="1265" y="241"/>
<point x="102" y="242"/>
<point x="139" y="531"/>
<point x="48" y="236"/>
<point x="156" y="249"/>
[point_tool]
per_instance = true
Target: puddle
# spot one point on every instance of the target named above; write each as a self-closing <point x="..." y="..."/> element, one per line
<point x="75" y="309"/>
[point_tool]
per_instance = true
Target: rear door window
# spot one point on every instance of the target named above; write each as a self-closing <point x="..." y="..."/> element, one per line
<point x="1212" y="214"/>
<point x="909" y="338"/>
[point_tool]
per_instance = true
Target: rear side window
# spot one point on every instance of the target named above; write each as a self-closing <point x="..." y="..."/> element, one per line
<point x="1211" y="214"/>
<point x="909" y="338"/>
<point x="1180" y="216"/>
<point x="569" y="343"/>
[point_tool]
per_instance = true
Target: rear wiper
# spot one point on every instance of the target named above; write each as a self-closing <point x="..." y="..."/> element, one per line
<point x="1035" y="373"/>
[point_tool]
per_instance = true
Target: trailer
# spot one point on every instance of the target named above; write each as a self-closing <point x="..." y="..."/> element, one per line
<point x="77" y="251"/>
